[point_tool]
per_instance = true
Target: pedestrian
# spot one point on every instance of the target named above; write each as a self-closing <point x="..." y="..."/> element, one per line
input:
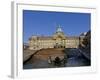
<point x="49" y="59"/>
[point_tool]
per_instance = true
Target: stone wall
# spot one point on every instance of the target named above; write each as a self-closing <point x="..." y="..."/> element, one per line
<point x="36" y="44"/>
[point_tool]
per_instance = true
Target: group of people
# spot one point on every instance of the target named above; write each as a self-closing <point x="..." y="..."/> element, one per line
<point x="57" y="61"/>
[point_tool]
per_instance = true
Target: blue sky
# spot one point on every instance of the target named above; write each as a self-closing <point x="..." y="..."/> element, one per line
<point x="45" y="23"/>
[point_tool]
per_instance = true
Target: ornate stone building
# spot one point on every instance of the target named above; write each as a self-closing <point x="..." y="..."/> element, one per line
<point x="57" y="40"/>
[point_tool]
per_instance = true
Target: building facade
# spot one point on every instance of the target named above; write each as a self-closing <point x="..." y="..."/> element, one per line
<point x="57" y="40"/>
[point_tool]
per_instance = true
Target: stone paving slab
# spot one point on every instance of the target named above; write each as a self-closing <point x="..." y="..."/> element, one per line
<point x="74" y="61"/>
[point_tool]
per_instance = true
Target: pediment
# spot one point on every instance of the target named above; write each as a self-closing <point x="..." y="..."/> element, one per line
<point x="62" y="36"/>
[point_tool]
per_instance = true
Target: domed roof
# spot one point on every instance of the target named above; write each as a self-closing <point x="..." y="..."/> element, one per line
<point x="59" y="33"/>
<point x="59" y="29"/>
